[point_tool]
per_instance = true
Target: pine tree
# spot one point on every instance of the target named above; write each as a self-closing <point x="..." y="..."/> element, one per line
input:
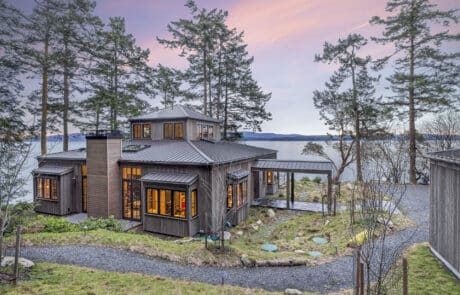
<point x="425" y="78"/>
<point x="168" y="82"/>
<point x="359" y="103"/>
<point x="119" y="74"/>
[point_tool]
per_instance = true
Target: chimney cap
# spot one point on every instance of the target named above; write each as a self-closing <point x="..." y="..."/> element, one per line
<point x="104" y="134"/>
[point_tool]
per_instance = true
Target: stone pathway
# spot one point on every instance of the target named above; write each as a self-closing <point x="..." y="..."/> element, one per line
<point x="323" y="278"/>
<point x="80" y="217"/>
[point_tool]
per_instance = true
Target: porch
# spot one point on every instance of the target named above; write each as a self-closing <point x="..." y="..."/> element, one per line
<point x="290" y="168"/>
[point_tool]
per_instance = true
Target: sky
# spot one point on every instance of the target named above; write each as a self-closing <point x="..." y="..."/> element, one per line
<point x="282" y="35"/>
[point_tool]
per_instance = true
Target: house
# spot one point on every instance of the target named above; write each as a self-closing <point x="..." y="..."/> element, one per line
<point x="445" y="208"/>
<point x="174" y="174"/>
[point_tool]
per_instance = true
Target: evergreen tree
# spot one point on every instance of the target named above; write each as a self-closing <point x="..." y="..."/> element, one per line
<point x="359" y="102"/>
<point x="168" y="82"/>
<point x="118" y="75"/>
<point x="425" y="78"/>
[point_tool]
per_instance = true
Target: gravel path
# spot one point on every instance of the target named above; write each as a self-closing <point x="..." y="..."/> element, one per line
<point x="323" y="278"/>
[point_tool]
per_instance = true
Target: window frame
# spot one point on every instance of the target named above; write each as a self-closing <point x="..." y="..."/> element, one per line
<point x="207" y="129"/>
<point x="239" y="187"/>
<point x="54" y="194"/>
<point x="133" y="185"/>
<point x="141" y="131"/>
<point x="172" y="202"/>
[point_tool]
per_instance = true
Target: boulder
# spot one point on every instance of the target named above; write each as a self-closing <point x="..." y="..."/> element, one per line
<point x="246" y="261"/>
<point x="254" y="227"/>
<point x="271" y="213"/>
<point x="292" y="291"/>
<point x="240" y="233"/>
<point x="299" y="251"/>
<point x="259" y="222"/>
<point x="9" y="260"/>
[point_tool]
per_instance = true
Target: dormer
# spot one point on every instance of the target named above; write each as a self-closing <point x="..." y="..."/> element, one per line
<point x="175" y="123"/>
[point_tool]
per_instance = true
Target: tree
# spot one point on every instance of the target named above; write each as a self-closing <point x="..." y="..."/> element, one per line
<point x="219" y="69"/>
<point x="168" y="82"/>
<point x="445" y="130"/>
<point x="359" y="101"/>
<point x="425" y="78"/>
<point x="118" y="74"/>
<point x="13" y="149"/>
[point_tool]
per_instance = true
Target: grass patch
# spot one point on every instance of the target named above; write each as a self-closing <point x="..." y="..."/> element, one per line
<point x="427" y="275"/>
<point x="48" y="278"/>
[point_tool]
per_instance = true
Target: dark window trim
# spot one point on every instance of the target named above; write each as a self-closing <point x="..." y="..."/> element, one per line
<point x="172" y="202"/>
<point x="196" y="203"/>
<point x="174" y="137"/>
<point x="235" y="184"/>
<point x="84" y="177"/>
<point x="201" y="127"/>
<point x="50" y="177"/>
<point x="131" y="180"/>
<point x="143" y="135"/>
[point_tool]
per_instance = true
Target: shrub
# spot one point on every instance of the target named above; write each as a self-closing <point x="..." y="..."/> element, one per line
<point x="59" y="225"/>
<point x="101" y="223"/>
<point x="317" y="179"/>
<point x="19" y="214"/>
<point x="305" y="179"/>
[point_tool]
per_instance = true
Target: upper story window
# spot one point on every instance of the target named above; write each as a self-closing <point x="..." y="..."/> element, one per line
<point x="142" y="131"/>
<point x="205" y="131"/>
<point x="242" y="192"/>
<point x="173" y="130"/>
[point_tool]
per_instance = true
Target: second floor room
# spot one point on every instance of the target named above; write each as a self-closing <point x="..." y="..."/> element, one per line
<point x="175" y="123"/>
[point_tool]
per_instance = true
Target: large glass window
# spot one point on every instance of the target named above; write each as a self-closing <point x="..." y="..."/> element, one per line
<point x="142" y="131"/>
<point x="131" y="193"/>
<point x="84" y="188"/>
<point x="205" y="131"/>
<point x="194" y="204"/>
<point x="242" y="192"/>
<point x="47" y="188"/>
<point x="152" y="201"/>
<point x="229" y="196"/>
<point x="178" y="130"/>
<point x="168" y="131"/>
<point x="169" y="203"/>
<point x="269" y="177"/>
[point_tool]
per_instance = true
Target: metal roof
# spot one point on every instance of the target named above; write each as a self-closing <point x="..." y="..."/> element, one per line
<point x="53" y="170"/>
<point x="173" y="113"/>
<point x="226" y="152"/>
<point x="176" y="178"/>
<point x="78" y="154"/>
<point x="451" y="156"/>
<point x="295" y="166"/>
<point x="238" y="174"/>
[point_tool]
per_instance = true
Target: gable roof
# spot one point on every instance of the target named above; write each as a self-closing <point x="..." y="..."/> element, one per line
<point x="175" y="112"/>
<point x="52" y="170"/>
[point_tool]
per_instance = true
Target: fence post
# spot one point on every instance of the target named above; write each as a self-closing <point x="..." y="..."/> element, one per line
<point x="16" y="254"/>
<point x="358" y="266"/>
<point x="405" y="268"/>
<point x="361" y="278"/>
<point x="206" y="230"/>
<point x="222" y="247"/>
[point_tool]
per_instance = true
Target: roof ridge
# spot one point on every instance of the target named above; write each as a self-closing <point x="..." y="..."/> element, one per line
<point x="200" y="152"/>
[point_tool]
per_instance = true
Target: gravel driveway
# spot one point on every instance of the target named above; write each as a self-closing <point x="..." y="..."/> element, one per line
<point x="323" y="278"/>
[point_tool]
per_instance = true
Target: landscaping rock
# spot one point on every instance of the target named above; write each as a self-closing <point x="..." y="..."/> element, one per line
<point x="292" y="291"/>
<point x="299" y="251"/>
<point x="227" y="235"/>
<point x="9" y="260"/>
<point x="254" y="227"/>
<point x="259" y="222"/>
<point x="269" y="247"/>
<point x="246" y="261"/>
<point x="271" y="213"/>
<point x="240" y="233"/>
<point x="382" y="220"/>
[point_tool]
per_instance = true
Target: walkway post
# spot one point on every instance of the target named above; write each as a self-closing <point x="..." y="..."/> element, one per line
<point x="329" y="193"/>
<point x="404" y="265"/>
<point x="288" y="189"/>
<point x="16" y="254"/>
<point x="292" y="188"/>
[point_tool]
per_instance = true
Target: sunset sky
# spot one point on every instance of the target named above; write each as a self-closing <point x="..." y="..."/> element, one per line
<point x="282" y="35"/>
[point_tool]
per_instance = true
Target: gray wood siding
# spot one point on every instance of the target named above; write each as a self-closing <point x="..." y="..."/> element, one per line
<point x="445" y="211"/>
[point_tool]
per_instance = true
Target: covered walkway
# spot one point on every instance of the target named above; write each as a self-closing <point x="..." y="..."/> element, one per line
<point x="290" y="168"/>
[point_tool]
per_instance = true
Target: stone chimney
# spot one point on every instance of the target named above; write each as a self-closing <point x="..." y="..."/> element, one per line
<point x="103" y="150"/>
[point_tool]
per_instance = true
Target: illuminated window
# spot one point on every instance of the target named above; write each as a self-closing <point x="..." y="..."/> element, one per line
<point x="137" y="130"/>
<point x="179" y="130"/>
<point x="47" y="188"/>
<point x="269" y="177"/>
<point x="229" y="196"/>
<point x="194" y="204"/>
<point x="179" y="204"/>
<point x="242" y="192"/>
<point x="131" y="193"/>
<point x="205" y="131"/>
<point x="146" y="131"/>
<point x="84" y="188"/>
<point x="168" y="130"/>
<point x="152" y="201"/>
<point x="165" y="202"/>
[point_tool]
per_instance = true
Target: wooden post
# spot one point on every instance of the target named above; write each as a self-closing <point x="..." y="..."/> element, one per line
<point x="16" y="254"/>
<point x="288" y="189"/>
<point x="358" y="266"/>
<point x="292" y="188"/>
<point x="405" y="268"/>
<point x="222" y="235"/>
<point x="206" y="230"/>
<point x="329" y="193"/>
<point x="361" y="279"/>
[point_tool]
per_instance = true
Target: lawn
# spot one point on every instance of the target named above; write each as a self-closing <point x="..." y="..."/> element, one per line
<point x="48" y="278"/>
<point x="290" y="231"/>
<point x="427" y="275"/>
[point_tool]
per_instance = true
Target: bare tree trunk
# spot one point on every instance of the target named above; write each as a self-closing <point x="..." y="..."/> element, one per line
<point x="226" y="108"/>
<point x="65" y="113"/>
<point x="205" y="81"/>
<point x="412" y="131"/>
<point x="43" y="134"/>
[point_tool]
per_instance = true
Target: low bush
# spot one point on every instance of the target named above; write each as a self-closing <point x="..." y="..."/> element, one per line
<point x="317" y="179"/>
<point x="59" y="225"/>
<point x="102" y="223"/>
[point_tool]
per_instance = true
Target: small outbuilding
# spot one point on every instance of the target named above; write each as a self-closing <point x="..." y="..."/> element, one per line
<point x="445" y="208"/>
